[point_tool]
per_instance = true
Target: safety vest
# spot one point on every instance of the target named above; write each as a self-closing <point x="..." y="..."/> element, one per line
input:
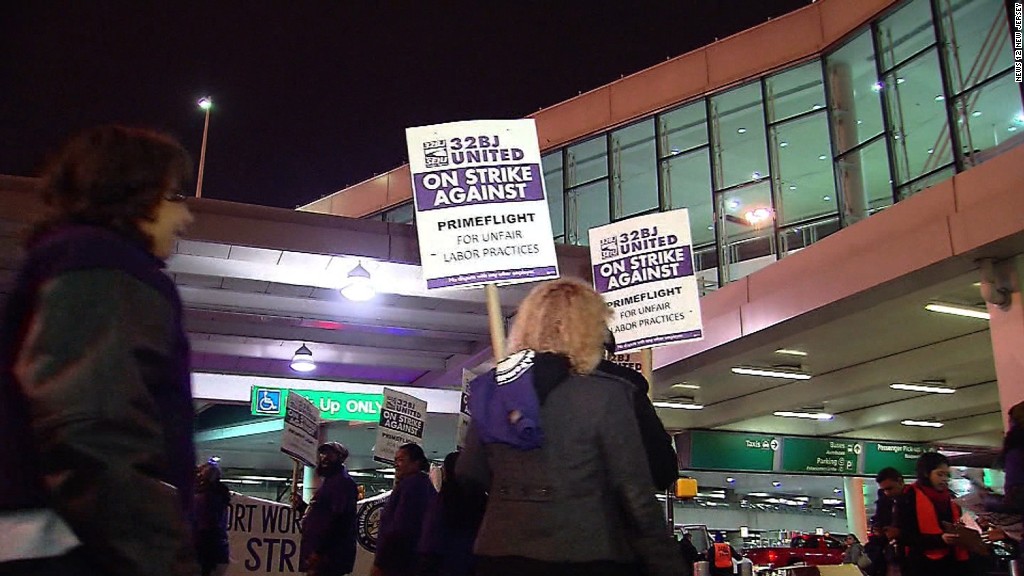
<point x="928" y="523"/>
<point x="723" y="556"/>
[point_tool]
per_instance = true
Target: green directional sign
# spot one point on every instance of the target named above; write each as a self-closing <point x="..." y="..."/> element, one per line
<point x="903" y="457"/>
<point x="731" y="451"/>
<point x="820" y="455"/>
<point x="265" y="401"/>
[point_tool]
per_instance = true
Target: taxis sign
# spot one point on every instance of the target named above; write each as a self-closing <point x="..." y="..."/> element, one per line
<point x="349" y="406"/>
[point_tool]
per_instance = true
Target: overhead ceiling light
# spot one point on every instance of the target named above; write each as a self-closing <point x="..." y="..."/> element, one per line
<point x="687" y="386"/>
<point x="976" y="113"/>
<point x="877" y="87"/>
<point x="804" y="415"/>
<point x="679" y="405"/>
<point x="939" y="98"/>
<point x="837" y="491"/>
<point x="265" y="478"/>
<point x="741" y="130"/>
<point x="758" y="494"/>
<point x="783" y="144"/>
<point x="771" y="372"/>
<point x="831" y="501"/>
<point x="776" y="483"/>
<point x="929" y="388"/>
<point x="790" y="352"/>
<point x="302" y="361"/>
<point x="359" y="286"/>
<point x="957" y="310"/>
<point x="922" y="423"/>
<point x="730" y="479"/>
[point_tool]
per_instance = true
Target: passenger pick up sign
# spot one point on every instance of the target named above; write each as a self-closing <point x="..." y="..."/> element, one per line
<point x="644" y="269"/>
<point x="481" y="210"/>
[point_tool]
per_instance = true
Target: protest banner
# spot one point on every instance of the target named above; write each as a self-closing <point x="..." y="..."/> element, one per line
<point x="264" y="536"/>
<point x="481" y="210"/>
<point x="644" y="269"/>
<point x="401" y="422"/>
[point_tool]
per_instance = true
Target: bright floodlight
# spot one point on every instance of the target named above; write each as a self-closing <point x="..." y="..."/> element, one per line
<point x="205" y="102"/>
<point x="302" y="361"/>
<point x="359" y="285"/>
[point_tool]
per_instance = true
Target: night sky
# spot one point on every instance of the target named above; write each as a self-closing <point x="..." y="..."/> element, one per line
<point x="313" y="96"/>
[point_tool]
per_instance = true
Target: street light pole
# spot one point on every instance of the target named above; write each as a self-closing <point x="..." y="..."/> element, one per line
<point x="205" y="103"/>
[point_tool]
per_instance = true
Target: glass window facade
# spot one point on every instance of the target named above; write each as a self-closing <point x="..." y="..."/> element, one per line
<point x="554" y="178"/>
<point x="918" y="122"/>
<point x="772" y="166"/>
<point x="738" y="136"/>
<point x="976" y="41"/>
<point x="804" y="184"/>
<point x="854" y="93"/>
<point x="905" y="32"/>
<point x="634" y="168"/>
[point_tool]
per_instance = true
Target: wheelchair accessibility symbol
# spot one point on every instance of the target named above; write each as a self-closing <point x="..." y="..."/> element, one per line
<point x="268" y="401"/>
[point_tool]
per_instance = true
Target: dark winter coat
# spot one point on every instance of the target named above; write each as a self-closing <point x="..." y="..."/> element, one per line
<point x="401" y="525"/>
<point x="211" y="524"/>
<point x="661" y="456"/>
<point x="95" y="401"/>
<point x="329" y="526"/>
<point x="592" y="459"/>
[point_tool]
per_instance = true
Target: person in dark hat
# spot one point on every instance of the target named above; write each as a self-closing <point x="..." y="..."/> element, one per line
<point x="661" y="456"/>
<point x="328" y="545"/>
<point x="210" y="519"/>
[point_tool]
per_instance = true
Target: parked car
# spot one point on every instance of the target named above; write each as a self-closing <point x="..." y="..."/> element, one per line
<point x="804" y="549"/>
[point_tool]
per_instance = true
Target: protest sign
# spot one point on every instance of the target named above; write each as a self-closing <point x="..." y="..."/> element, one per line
<point x="644" y="269"/>
<point x="481" y="210"/>
<point x="464" y="416"/>
<point x="401" y="422"/>
<point x="301" y="429"/>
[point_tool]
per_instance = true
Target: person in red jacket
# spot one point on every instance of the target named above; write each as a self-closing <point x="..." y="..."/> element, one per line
<point x="930" y="549"/>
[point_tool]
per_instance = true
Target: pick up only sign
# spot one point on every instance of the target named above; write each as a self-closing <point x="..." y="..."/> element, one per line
<point x="644" y="269"/>
<point x="481" y="210"/>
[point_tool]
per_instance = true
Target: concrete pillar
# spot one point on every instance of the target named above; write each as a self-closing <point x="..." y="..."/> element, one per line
<point x="856" y="513"/>
<point x="844" y="119"/>
<point x="1006" y="328"/>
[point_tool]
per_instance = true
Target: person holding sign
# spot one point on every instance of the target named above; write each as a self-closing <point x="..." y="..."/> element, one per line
<point x="97" y="459"/>
<point x="328" y="545"/>
<point x="401" y="521"/>
<point x="553" y="439"/>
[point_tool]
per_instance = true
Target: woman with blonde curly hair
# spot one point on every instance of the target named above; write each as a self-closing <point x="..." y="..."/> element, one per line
<point x="557" y="446"/>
